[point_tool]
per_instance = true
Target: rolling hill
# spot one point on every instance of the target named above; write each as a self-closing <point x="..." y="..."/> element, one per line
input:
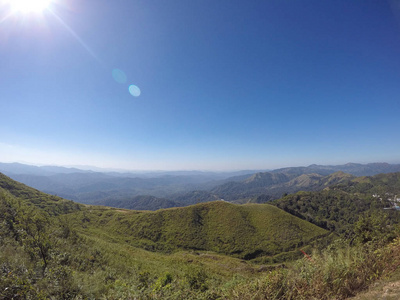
<point x="51" y="248"/>
<point x="243" y="231"/>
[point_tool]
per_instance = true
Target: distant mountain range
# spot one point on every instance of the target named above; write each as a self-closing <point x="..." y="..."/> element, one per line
<point x="273" y="187"/>
<point x="152" y="191"/>
<point x="51" y="244"/>
<point x="350" y="168"/>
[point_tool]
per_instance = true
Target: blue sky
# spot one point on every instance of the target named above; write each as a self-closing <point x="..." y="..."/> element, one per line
<point x="225" y="85"/>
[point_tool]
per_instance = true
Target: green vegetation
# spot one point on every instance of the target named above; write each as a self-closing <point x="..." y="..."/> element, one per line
<point x="338" y="272"/>
<point x="246" y="231"/>
<point x="51" y="248"/>
<point x="138" y="203"/>
<point x="51" y="204"/>
<point x="43" y="257"/>
<point x="339" y="207"/>
<point x="378" y="184"/>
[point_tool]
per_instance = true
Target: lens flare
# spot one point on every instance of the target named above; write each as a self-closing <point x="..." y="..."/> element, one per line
<point x="134" y="90"/>
<point x="119" y="75"/>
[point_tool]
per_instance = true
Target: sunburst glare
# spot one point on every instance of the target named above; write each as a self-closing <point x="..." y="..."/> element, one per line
<point x="29" y="6"/>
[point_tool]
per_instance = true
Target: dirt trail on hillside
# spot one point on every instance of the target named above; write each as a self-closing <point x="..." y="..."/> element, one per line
<point x="386" y="291"/>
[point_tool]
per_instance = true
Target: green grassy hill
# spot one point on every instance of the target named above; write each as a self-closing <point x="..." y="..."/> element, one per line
<point x="51" y="248"/>
<point x="243" y="231"/>
<point x="52" y="257"/>
<point x="54" y="248"/>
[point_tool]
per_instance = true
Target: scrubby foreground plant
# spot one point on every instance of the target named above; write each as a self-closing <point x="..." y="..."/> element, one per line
<point x="339" y="272"/>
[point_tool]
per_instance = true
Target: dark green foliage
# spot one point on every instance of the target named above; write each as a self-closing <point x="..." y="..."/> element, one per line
<point x="376" y="228"/>
<point x="28" y="253"/>
<point x="197" y="279"/>
<point x="163" y="282"/>
<point x="339" y="207"/>
<point x="378" y="184"/>
<point x="333" y="210"/>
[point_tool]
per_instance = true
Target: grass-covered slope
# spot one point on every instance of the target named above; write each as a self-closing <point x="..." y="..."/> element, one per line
<point x="43" y="256"/>
<point x="145" y="202"/>
<point x="51" y="204"/>
<point x="92" y="253"/>
<point x="244" y="231"/>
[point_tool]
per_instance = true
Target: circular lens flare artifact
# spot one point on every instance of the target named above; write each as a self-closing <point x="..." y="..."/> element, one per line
<point x="134" y="90"/>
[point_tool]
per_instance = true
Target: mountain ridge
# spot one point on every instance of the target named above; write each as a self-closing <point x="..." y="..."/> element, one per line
<point x="180" y="190"/>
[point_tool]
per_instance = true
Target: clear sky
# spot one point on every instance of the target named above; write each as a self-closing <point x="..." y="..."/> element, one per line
<point x="223" y="85"/>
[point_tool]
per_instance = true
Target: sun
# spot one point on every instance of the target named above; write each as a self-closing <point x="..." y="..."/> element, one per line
<point x="29" y="6"/>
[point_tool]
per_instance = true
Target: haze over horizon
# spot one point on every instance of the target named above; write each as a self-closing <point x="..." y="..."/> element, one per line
<point x="200" y="85"/>
<point x="149" y="171"/>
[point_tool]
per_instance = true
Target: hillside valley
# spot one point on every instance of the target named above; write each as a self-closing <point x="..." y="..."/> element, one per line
<point x="51" y="247"/>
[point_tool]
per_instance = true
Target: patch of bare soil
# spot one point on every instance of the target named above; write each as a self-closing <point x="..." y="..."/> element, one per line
<point x="386" y="291"/>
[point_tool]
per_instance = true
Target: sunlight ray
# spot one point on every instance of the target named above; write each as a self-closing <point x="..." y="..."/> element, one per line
<point x="75" y="35"/>
<point x="6" y="17"/>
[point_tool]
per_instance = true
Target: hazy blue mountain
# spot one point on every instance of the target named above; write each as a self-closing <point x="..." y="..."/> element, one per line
<point x="91" y="187"/>
<point x="256" y="184"/>
<point x="350" y="168"/>
<point x="194" y="197"/>
<point x="263" y="187"/>
<point x="181" y="187"/>
<point x="290" y="180"/>
<point x="304" y="182"/>
<point x="17" y="168"/>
